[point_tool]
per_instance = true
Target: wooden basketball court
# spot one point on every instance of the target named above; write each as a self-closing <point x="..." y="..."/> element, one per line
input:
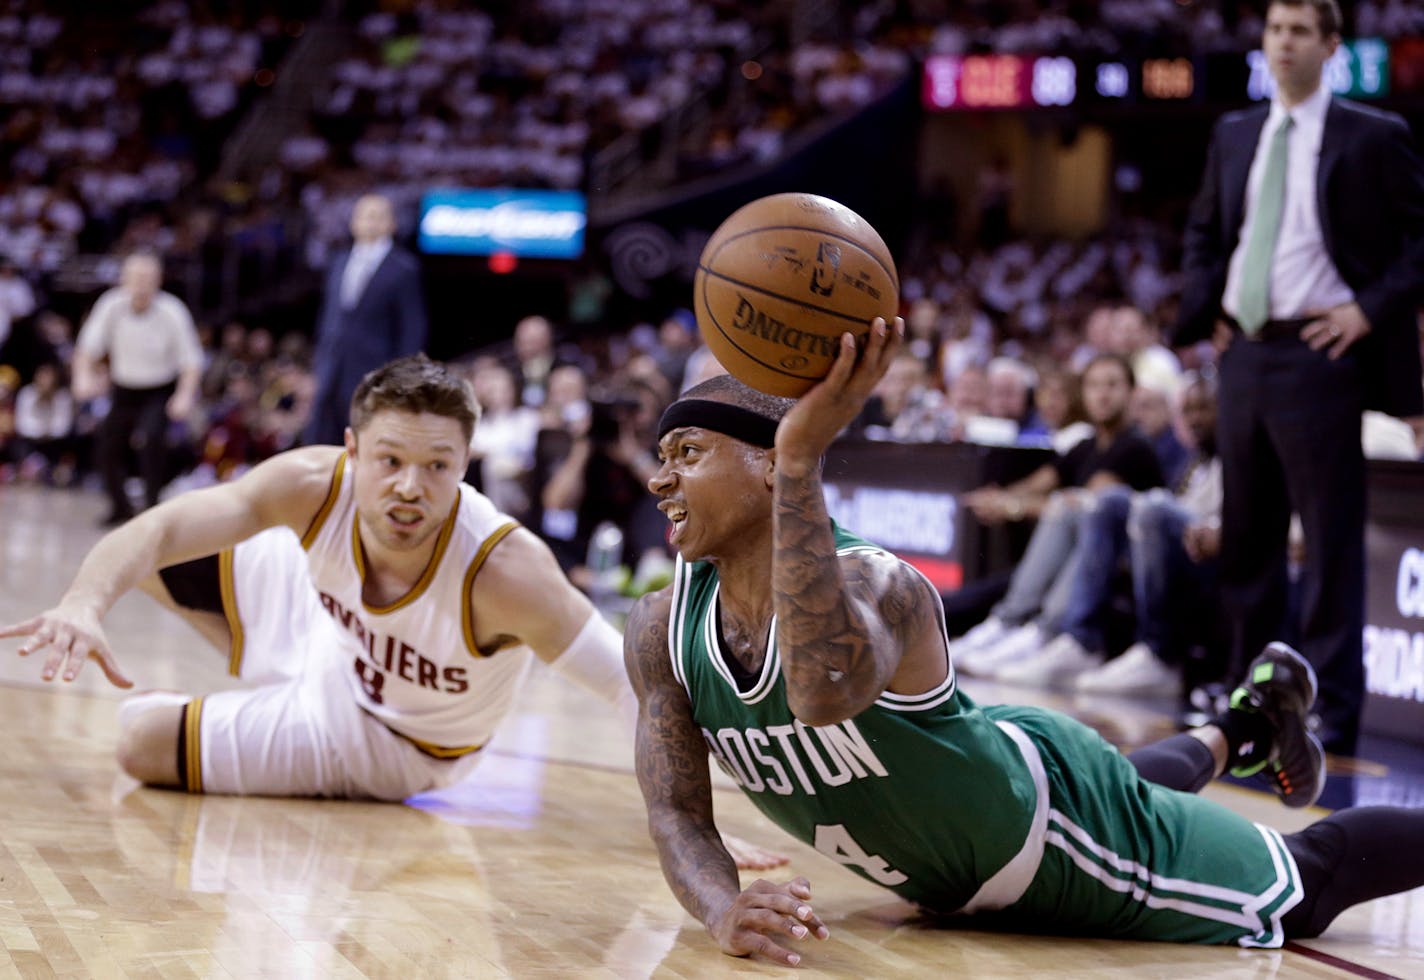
<point x="538" y="866"/>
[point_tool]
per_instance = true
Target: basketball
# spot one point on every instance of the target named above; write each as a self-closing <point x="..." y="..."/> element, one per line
<point x="781" y="280"/>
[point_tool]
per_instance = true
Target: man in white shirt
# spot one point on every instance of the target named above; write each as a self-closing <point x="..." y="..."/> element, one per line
<point x="1304" y="258"/>
<point x="155" y="361"/>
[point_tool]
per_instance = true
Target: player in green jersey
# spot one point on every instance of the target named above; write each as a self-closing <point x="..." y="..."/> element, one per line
<point x="814" y="667"/>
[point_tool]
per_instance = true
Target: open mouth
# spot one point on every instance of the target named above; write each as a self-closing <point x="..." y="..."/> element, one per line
<point x="405" y="517"/>
<point x="675" y="513"/>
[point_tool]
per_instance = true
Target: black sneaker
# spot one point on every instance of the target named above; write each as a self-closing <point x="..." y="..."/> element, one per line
<point x="1280" y="684"/>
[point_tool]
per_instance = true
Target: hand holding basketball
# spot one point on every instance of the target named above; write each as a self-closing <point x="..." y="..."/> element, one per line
<point x="814" y="422"/>
<point x="781" y="280"/>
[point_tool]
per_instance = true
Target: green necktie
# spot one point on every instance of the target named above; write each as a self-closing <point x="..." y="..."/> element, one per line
<point x="1253" y="301"/>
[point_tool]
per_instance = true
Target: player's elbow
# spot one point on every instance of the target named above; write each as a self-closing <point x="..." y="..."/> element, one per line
<point x="817" y="709"/>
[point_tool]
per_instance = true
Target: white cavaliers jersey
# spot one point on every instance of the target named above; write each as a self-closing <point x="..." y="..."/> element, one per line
<point x="414" y="663"/>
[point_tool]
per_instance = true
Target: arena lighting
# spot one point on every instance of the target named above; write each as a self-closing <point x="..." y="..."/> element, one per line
<point x="503" y="263"/>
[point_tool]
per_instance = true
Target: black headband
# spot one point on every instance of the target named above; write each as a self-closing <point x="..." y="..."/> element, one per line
<point x="730" y="420"/>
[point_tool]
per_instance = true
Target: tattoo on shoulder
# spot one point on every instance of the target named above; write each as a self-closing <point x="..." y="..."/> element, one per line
<point x="904" y="600"/>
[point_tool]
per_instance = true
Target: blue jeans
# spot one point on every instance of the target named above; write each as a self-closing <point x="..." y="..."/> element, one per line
<point x="1169" y="590"/>
<point x="1042" y="581"/>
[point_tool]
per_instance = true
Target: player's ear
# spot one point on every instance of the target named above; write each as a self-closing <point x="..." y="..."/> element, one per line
<point x="349" y="438"/>
<point x="769" y="468"/>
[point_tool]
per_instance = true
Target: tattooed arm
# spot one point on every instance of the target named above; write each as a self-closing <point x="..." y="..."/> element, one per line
<point x="671" y="759"/>
<point x="846" y="629"/>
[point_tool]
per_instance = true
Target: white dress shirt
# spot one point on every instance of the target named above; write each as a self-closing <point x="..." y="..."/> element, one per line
<point x="1303" y="279"/>
<point x="147" y="349"/>
<point x="365" y="259"/>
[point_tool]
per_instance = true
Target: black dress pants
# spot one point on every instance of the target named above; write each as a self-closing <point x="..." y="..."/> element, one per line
<point x="1288" y="430"/>
<point x="141" y="413"/>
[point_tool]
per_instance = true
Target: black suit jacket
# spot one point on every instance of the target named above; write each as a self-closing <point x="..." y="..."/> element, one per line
<point x="1370" y="198"/>
<point x="387" y="322"/>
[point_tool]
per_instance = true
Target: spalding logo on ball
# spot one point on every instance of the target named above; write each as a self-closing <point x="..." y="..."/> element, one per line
<point x="781" y="280"/>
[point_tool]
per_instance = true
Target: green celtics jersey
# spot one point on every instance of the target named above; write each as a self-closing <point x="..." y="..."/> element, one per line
<point x="1020" y="813"/>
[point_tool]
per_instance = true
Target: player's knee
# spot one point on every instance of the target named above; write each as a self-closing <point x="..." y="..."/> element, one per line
<point x="148" y="746"/>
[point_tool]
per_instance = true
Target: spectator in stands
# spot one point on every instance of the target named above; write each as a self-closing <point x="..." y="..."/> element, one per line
<point x="503" y="445"/>
<point x="533" y="357"/>
<point x="1131" y="335"/>
<point x="605" y="475"/>
<point x="677" y="339"/>
<point x="1170" y="539"/>
<point x="154" y="369"/>
<point x="44" y="428"/>
<point x="17" y="299"/>
<point x="373" y="312"/>
<point x="285" y="401"/>
<point x="1057" y="401"/>
<point x="897" y="408"/>
<point x="1056" y="494"/>
<point x="232" y="346"/>
<point x="1011" y="384"/>
<point x="1153" y="415"/>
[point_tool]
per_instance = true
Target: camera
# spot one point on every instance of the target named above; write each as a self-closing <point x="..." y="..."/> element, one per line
<point x="608" y="411"/>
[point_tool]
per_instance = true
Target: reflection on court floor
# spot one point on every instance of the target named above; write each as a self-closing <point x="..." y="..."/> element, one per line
<point x="538" y="865"/>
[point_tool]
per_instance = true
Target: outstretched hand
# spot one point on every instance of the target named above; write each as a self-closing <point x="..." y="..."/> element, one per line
<point x="72" y="636"/>
<point x="814" y="422"/>
<point x="764" y="910"/>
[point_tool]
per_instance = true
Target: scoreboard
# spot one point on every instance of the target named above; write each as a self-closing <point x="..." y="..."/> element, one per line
<point x="1361" y="68"/>
<point x="998" y="81"/>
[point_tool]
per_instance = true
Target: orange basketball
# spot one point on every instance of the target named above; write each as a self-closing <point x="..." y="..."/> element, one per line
<point x="781" y="280"/>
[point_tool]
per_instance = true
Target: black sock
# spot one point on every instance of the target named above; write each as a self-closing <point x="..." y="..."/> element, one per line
<point x="1179" y="762"/>
<point x="1249" y="737"/>
<point x="183" y="749"/>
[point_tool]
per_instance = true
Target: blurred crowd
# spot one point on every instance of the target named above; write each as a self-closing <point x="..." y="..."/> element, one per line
<point x="111" y="145"/>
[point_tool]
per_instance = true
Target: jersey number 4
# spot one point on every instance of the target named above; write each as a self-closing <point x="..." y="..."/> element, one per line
<point x="834" y="841"/>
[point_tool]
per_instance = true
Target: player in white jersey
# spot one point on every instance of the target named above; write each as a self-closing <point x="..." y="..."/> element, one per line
<point x="386" y="655"/>
<point x="387" y="612"/>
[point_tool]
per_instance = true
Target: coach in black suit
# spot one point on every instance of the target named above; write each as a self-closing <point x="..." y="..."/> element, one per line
<point x="1304" y="259"/>
<point x="373" y="312"/>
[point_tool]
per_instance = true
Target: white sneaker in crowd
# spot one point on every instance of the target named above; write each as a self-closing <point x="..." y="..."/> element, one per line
<point x="1057" y="664"/>
<point x="992" y="630"/>
<point x="1136" y="671"/>
<point x="1017" y="643"/>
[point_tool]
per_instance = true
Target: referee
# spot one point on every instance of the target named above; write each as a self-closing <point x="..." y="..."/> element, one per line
<point x="155" y="362"/>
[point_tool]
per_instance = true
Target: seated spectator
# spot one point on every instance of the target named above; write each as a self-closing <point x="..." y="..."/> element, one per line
<point x="1011" y="384"/>
<point x="1059" y="405"/>
<point x="1134" y="337"/>
<point x="1151" y="412"/>
<point x="899" y="408"/>
<point x="503" y="443"/>
<point x="1057" y="494"/>
<point x="44" y="429"/>
<point x="1170" y="540"/>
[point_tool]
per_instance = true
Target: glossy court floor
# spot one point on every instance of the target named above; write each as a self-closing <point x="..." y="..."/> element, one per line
<point x="537" y="866"/>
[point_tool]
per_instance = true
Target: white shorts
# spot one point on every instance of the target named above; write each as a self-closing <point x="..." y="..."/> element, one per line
<point x="300" y="733"/>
